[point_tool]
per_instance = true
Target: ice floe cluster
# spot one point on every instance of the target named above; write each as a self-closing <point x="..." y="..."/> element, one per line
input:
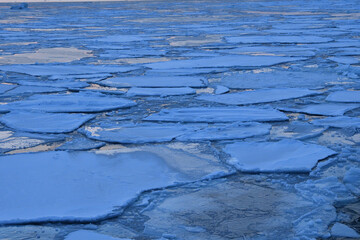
<point x="175" y="120"/>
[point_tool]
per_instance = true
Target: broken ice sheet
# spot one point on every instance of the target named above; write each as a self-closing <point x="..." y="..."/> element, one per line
<point x="258" y="96"/>
<point x="49" y="69"/>
<point x="289" y="51"/>
<point x="96" y="185"/>
<point x="338" y="122"/>
<point x="125" y="38"/>
<point x="155" y="81"/>
<point x="226" y="132"/>
<point x="341" y="230"/>
<point x="325" y="109"/>
<point x="217" y="114"/>
<point x="296" y="130"/>
<point x="45" y="122"/>
<point x="69" y="103"/>
<point x="344" y="96"/>
<point x="283" y="156"/>
<point x="136" y="91"/>
<point x="137" y="133"/>
<point x="280" y="79"/>
<point x="224" y="61"/>
<point x="278" y="39"/>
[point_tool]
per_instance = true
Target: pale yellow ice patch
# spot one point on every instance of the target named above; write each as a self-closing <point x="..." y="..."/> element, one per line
<point x="46" y="55"/>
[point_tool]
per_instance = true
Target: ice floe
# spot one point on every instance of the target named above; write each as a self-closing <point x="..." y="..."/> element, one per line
<point x="226" y="132"/>
<point x="224" y="61"/>
<point x="325" y="109"/>
<point x="344" y="60"/>
<point x="258" y="96"/>
<point x="289" y="51"/>
<point x="217" y="114"/>
<point x="341" y="230"/>
<point x="137" y="133"/>
<point x="338" y="122"/>
<point x="25" y="90"/>
<point x="296" y="130"/>
<point x="352" y="180"/>
<point x="137" y="91"/>
<point x="344" y="96"/>
<point x="44" y="122"/>
<point x="280" y="79"/>
<point x="47" y="69"/>
<point x="85" y="186"/>
<point x="6" y="87"/>
<point x="69" y="103"/>
<point x="282" y="156"/>
<point x="221" y="89"/>
<point x="155" y="81"/>
<point x="278" y="39"/>
<point x="80" y="143"/>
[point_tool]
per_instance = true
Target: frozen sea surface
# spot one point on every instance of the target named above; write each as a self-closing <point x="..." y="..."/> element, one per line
<point x="180" y="120"/>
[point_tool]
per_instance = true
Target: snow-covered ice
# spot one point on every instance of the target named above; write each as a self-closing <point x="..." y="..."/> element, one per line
<point x="217" y="114"/>
<point x="258" y="96"/>
<point x="44" y="122"/>
<point x="296" y="130"/>
<point x="282" y="156"/>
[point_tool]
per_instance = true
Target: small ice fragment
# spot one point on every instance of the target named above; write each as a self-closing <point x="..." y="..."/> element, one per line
<point x="221" y="89"/>
<point x="136" y="91"/>
<point x="325" y="109"/>
<point x="344" y="60"/>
